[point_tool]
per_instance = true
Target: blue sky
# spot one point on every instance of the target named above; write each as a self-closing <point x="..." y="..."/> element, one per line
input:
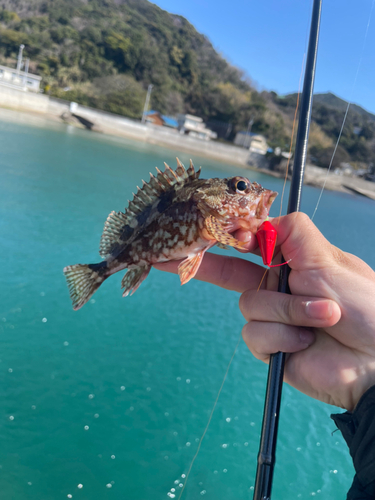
<point x="268" y="38"/>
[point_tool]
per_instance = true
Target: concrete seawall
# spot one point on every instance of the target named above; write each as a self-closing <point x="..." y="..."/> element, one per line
<point x="112" y="124"/>
<point x="50" y="108"/>
<point x="23" y="101"/>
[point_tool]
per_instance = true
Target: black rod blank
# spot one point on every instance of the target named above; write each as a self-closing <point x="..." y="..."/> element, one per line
<point x="267" y="448"/>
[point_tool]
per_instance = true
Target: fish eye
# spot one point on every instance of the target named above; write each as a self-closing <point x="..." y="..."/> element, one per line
<point x="241" y="186"/>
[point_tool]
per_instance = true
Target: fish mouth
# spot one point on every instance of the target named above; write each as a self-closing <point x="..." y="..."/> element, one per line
<point x="265" y="202"/>
<point x="259" y="213"/>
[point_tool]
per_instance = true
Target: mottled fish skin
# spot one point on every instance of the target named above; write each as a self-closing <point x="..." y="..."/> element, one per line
<point x="174" y="216"/>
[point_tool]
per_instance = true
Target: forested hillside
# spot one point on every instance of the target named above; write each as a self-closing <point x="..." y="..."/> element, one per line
<point x="108" y="52"/>
<point x="357" y="143"/>
<point x="105" y="53"/>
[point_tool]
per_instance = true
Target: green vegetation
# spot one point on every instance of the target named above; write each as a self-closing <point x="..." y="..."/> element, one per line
<point x="357" y="144"/>
<point x="104" y="54"/>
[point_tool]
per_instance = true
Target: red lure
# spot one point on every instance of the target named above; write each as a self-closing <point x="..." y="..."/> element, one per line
<point x="266" y="237"/>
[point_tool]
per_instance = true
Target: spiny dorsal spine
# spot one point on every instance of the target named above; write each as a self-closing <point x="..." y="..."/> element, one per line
<point x="119" y="224"/>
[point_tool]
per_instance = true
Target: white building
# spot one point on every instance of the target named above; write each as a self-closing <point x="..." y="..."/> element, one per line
<point x="194" y="126"/>
<point x="255" y="143"/>
<point x="21" y="80"/>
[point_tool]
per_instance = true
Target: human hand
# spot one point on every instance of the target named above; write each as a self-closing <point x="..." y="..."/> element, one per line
<point x="327" y="326"/>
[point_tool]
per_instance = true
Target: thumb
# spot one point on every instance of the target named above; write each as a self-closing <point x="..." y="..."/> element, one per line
<point x="301" y="242"/>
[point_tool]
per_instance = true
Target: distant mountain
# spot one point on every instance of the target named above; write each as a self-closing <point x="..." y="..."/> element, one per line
<point x="332" y="100"/>
<point x="106" y="53"/>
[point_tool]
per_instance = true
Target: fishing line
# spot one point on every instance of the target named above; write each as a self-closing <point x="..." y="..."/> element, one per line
<point x="347" y="109"/>
<point x="211" y="415"/>
<point x="260" y="284"/>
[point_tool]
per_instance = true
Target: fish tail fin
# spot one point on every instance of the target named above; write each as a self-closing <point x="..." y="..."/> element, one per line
<point x="83" y="280"/>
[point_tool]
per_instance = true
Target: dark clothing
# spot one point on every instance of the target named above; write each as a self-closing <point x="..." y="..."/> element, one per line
<point x="358" y="430"/>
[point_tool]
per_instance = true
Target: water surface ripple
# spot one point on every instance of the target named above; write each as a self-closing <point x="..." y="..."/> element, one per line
<point x="109" y="402"/>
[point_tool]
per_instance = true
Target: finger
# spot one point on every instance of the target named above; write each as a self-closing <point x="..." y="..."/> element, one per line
<point x="269" y="306"/>
<point x="299" y="239"/>
<point x="230" y="273"/>
<point x="301" y="242"/>
<point x="264" y="339"/>
<point x="304" y="246"/>
<point x="250" y="240"/>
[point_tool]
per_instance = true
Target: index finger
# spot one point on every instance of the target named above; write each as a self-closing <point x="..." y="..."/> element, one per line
<point x="227" y="272"/>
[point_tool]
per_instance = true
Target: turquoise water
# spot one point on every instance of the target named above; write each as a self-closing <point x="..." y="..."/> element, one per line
<point x="115" y="397"/>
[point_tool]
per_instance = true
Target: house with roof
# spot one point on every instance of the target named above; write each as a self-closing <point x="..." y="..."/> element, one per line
<point x="255" y="143"/>
<point x="22" y="80"/>
<point x="157" y="118"/>
<point x="194" y="127"/>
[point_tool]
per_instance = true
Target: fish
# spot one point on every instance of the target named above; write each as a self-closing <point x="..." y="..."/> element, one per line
<point x="175" y="215"/>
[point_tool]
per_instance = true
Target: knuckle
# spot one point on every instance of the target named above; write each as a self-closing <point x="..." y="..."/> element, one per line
<point x="279" y="339"/>
<point x="286" y="309"/>
<point x="302" y="218"/>
<point x="246" y="304"/>
<point x="252" y="334"/>
<point x="280" y="330"/>
<point x="246" y="335"/>
<point x="340" y="257"/>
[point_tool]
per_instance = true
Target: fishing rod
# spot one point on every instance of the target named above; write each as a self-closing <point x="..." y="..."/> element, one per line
<point x="271" y="414"/>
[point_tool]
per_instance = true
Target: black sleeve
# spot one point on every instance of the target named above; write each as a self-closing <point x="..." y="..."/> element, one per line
<point x="358" y="430"/>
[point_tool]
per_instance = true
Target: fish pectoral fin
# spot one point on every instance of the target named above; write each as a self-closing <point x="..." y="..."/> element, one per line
<point x="220" y="245"/>
<point x="189" y="267"/>
<point x="133" y="278"/>
<point x="217" y="231"/>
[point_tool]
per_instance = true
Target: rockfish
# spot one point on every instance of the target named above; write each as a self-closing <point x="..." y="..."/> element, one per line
<point x="174" y="216"/>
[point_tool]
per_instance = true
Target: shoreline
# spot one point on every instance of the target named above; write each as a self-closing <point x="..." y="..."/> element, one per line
<point x="41" y="110"/>
<point x="58" y="110"/>
<point x="316" y="177"/>
<point x="34" y="118"/>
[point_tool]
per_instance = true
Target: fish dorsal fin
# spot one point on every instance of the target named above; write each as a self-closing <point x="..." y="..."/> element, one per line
<point x="120" y="227"/>
<point x="162" y="183"/>
<point x="113" y="227"/>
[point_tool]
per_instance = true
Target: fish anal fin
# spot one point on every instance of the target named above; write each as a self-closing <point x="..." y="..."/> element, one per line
<point x="217" y="231"/>
<point x="189" y="267"/>
<point x="133" y="278"/>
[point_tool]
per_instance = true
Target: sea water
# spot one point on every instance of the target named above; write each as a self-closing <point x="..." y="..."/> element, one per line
<point x="110" y="402"/>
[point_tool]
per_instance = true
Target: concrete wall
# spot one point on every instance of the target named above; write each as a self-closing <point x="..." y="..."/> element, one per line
<point x="23" y="100"/>
<point x="109" y="123"/>
<point x="153" y="134"/>
<point x="57" y="107"/>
